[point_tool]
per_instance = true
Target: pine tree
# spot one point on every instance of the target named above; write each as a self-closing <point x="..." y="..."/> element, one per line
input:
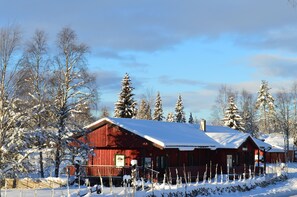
<point x="125" y="107"/>
<point x="221" y="103"/>
<point x="191" y="119"/>
<point x="158" y="111"/>
<point x="170" y="117"/>
<point x="179" y="110"/>
<point x="265" y="102"/>
<point x="232" y="119"/>
<point x="144" y="111"/>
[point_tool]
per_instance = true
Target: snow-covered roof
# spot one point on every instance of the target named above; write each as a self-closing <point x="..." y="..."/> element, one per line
<point x="276" y="149"/>
<point x="277" y="141"/>
<point x="230" y="138"/>
<point x="165" y="134"/>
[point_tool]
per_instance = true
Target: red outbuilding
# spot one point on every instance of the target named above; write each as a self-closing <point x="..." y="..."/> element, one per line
<point x="166" y="147"/>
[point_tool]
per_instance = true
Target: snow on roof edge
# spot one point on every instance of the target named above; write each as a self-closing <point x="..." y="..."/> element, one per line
<point x="90" y="126"/>
<point x="154" y="141"/>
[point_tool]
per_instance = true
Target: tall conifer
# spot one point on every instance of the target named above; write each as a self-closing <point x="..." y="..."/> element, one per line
<point x="125" y="107"/>
<point x="265" y="102"/>
<point x="158" y="111"/>
<point x="232" y="118"/>
<point x="179" y="110"/>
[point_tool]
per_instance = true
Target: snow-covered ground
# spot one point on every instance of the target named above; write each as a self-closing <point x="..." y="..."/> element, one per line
<point x="282" y="188"/>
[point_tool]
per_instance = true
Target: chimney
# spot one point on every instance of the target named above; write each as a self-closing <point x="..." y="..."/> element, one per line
<point x="203" y="125"/>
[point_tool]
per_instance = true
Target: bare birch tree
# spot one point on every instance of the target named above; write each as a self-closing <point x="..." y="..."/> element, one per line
<point x="144" y="111"/>
<point x="248" y="112"/>
<point x="221" y="103"/>
<point x="284" y="116"/>
<point x="294" y="117"/>
<point x="34" y="92"/>
<point x="73" y="90"/>
<point x="11" y="131"/>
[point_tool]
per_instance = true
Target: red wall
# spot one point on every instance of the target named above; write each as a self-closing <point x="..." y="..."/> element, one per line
<point x="279" y="157"/>
<point x="109" y="140"/>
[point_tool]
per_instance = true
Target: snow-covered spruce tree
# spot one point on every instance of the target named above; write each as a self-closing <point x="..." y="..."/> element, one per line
<point x="232" y="118"/>
<point x="265" y="103"/>
<point x="125" y="107"/>
<point x="144" y="111"/>
<point x="221" y="103"/>
<point x="158" y="111"/>
<point x="12" y="144"/>
<point x="72" y="88"/>
<point x="179" y="110"/>
<point x="33" y="89"/>
<point x="170" y="117"/>
<point x="191" y="119"/>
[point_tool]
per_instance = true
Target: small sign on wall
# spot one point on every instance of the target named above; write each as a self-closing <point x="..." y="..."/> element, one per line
<point x="120" y="161"/>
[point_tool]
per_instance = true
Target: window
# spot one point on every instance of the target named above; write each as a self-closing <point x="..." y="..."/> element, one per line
<point x="119" y="161"/>
<point x="160" y="162"/>
<point x="147" y="162"/>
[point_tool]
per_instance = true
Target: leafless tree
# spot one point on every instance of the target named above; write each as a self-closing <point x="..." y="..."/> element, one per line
<point x="11" y="117"/>
<point x="33" y="89"/>
<point x="248" y="112"/>
<point x="284" y="116"/>
<point x="294" y="116"/>
<point x="221" y="103"/>
<point x="104" y="112"/>
<point x="144" y="111"/>
<point x="73" y="89"/>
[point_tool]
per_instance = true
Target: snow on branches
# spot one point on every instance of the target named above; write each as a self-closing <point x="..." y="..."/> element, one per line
<point x="125" y="107"/>
<point x="232" y="118"/>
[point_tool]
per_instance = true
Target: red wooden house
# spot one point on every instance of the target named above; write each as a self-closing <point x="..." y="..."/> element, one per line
<point x="163" y="147"/>
<point x="277" y="152"/>
<point x="238" y="150"/>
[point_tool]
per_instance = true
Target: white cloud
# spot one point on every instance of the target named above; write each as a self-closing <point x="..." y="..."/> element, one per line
<point x="150" y="25"/>
<point x="275" y="65"/>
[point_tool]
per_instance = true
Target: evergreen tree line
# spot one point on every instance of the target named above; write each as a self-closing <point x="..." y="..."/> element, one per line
<point x="263" y="113"/>
<point x="126" y="106"/>
<point x="46" y="97"/>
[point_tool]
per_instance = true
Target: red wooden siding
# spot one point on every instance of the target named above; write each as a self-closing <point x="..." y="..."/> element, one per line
<point x="109" y="140"/>
<point x="112" y="136"/>
<point x="273" y="157"/>
<point x="107" y="156"/>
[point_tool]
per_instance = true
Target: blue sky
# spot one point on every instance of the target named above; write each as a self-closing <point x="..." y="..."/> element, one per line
<point x="176" y="47"/>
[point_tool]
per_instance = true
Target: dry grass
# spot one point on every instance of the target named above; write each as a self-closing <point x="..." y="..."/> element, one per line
<point x="28" y="183"/>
